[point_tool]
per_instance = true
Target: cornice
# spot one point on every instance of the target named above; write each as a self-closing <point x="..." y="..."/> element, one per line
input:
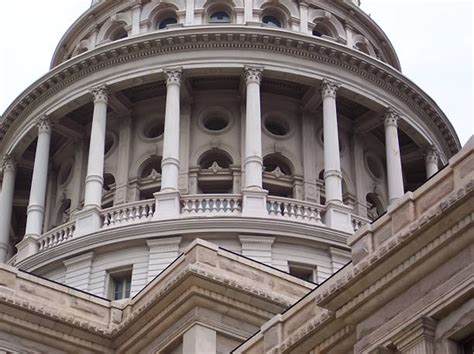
<point x="238" y="37"/>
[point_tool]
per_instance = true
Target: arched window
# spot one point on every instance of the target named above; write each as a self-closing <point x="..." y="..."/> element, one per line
<point x="277" y="176"/>
<point x="219" y="17"/>
<point x="272" y="21"/>
<point x="167" y="21"/>
<point x="215" y="175"/>
<point x="362" y="48"/>
<point x="321" y="30"/>
<point x="119" y="33"/>
<point x="64" y="212"/>
<point x="149" y="175"/>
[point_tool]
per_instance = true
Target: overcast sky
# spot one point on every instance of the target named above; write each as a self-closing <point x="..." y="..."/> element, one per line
<point x="433" y="39"/>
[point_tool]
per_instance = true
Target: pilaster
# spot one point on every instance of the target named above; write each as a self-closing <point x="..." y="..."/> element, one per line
<point x="78" y="271"/>
<point x="200" y="340"/>
<point x="162" y="252"/>
<point x="417" y="338"/>
<point x="258" y="248"/>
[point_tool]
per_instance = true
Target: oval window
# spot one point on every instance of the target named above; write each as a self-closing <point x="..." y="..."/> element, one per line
<point x="216" y="123"/>
<point x="154" y="131"/>
<point x="277" y="127"/>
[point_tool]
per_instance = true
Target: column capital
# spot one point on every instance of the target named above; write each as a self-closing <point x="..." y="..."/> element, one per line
<point x="173" y="76"/>
<point x="391" y="117"/>
<point x="8" y="164"/>
<point x="44" y="123"/>
<point x="100" y="93"/>
<point x="329" y="88"/>
<point x="432" y="155"/>
<point x="253" y="74"/>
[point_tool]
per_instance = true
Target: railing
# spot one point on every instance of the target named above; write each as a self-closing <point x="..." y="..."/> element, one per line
<point x="211" y="204"/>
<point x="57" y="236"/>
<point x="128" y="214"/>
<point x="294" y="209"/>
<point x="358" y="222"/>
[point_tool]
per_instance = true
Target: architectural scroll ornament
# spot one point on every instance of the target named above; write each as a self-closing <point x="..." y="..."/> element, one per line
<point x="44" y="123"/>
<point x="329" y="88"/>
<point x="173" y="76"/>
<point x="100" y="93"/>
<point x="253" y="74"/>
<point x="432" y="155"/>
<point x="391" y="117"/>
<point x="7" y="164"/>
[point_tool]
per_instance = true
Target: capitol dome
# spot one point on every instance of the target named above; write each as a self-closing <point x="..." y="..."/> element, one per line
<point x="273" y="129"/>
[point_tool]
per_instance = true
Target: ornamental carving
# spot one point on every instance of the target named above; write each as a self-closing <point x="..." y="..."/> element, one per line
<point x="7" y="164"/>
<point x="432" y="155"/>
<point x="44" y="123"/>
<point x="100" y="93"/>
<point x="391" y="117"/>
<point x="329" y="88"/>
<point x="253" y="74"/>
<point x="173" y="76"/>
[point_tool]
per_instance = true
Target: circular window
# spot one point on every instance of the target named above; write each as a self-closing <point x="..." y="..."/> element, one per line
<point x="216" y="123"/>
<point x="219" y="17"/>
<point x="271" y="21"/>
<point x="65" y="173"/>
<point x="154" y="130"/>
<point x="374" y="166"/>
<point x="167" y="21"/>
<point x="277" y="127"/>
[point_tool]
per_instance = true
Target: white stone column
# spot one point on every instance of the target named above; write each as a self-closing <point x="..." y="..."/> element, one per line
<point x="89" y="220"/>
<point x="337" y="215"/>
<point x="35" y="213"/>
<point x="303" y="16"/>
<point x="167" y="200"/>
<point x="254" y="197"/>
<point x="200" y="340"/>
<point x="189" y="12"/>
<point x="136" y="12"/>
<point x="431" y="161"/>
<point x="332" y="161"/>
<point x="6" y="205"/>
<point x="394" y="162"/>
<point x="95" y="165"/>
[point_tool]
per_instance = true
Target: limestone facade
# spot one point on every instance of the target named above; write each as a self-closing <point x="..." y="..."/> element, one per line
<point x="271" y="131"/>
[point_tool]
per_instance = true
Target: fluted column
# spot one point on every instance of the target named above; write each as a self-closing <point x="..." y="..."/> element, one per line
<point x="168" y="199"/>
<point x="332" y="162"/>
<point x="431" y="161"/>
<point x="394" y="162"/>
<point x="95" y="165"/>
<point x="170" y="162"/>
<point x="6" y="204"/>
<point x="253" y="130"/>
<point x="35" y="213"/>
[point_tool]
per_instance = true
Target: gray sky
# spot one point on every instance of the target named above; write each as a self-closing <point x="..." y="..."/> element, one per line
<point x="433" y="39"/>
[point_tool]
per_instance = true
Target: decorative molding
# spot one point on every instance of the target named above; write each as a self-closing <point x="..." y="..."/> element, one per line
<point x="173" y="76"/>
<point x="253" y="74"/>
<point x="44" y="124"/>
<point x="313" y="49"/>
<point x="329" y="88"/>
<point x="100" y="94"/>
<point x="8" y="164"/>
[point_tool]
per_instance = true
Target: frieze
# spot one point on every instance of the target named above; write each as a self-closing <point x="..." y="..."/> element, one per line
<point x="342" y="57"/>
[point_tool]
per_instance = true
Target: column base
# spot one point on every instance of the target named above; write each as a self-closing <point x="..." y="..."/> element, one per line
<point x="27" y="247"/>
<point x="88" y="221"/>
<point x="254" y="203"/>
<point x="338" y="217"/>
<point x="168" y="205"/>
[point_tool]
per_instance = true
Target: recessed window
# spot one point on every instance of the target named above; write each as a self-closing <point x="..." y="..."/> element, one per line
<point x="219" y="17"/>
<point x="119" y="33"/>
<point x="277" y="127"/>
<point x="271" y="21"/>
<point x="303" y="271"/>
<point x="154" y="130"/>
<point x="151" y="168"/>
<point x="216" y="123"/>
<point x="109" y="181"/>
<point x="275" y="161"/>
<point x="167" y="21"/>
<point x="120" y="284"/>
<point x="321" y="30"/>
<point x="374" y="166"/>
<point x="213" y="157"/>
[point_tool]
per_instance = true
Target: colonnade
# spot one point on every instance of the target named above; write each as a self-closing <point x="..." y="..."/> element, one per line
<point x="168" y="204"/>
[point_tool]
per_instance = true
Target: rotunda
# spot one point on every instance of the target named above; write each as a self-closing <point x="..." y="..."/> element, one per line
<point x="274" y="129"/>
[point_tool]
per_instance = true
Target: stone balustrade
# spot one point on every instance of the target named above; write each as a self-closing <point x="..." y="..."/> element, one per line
<point x="211" y="204"/>
<point x="57" y="236"/>
<point x="295" y="210"/>
<point x="128" y="214"/>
